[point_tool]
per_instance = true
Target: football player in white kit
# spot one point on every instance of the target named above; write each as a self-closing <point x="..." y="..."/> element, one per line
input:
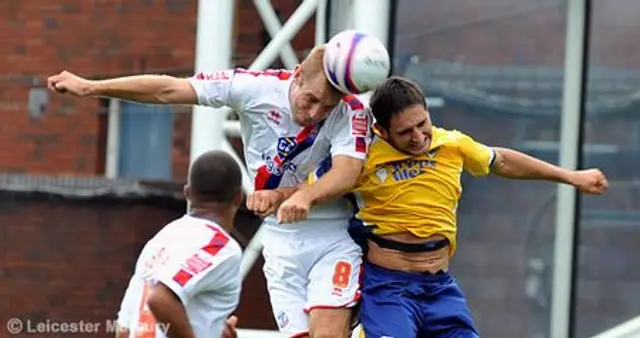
<point x="187" y="278"/>
<point x="292" y="122"/>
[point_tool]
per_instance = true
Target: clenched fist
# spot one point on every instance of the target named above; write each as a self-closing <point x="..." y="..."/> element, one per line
<point x="590" y="181"/>
<point x="264" y="202"/>
<point x="67" y="82"/>
<point x="295" y="209"/>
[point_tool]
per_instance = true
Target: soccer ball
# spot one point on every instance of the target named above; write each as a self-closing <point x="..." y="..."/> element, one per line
<point x="355" y="62"/>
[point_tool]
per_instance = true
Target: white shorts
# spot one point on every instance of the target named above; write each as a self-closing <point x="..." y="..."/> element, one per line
<point x="318" y="267"/>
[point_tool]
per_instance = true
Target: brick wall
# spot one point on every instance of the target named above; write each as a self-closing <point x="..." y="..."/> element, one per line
<point x="66" y="260"/>
<point x="99" y="38"/>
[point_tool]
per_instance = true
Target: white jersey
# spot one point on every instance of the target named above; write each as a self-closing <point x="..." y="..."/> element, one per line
<point x="278" y="152"/>
<point x="200" y="263"/>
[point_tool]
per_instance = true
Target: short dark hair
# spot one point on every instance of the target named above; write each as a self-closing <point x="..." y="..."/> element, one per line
<point x="215" y="176"/>
<point x="393" y="96"/>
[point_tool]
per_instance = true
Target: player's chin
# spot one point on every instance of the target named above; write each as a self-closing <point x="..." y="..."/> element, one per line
<point x="415" y="150"/>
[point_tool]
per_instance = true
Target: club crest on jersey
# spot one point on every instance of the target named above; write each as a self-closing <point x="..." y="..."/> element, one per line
<point x="283" y="319"/>
<point x="286" y="145"/>
<point x="382" y="175"/>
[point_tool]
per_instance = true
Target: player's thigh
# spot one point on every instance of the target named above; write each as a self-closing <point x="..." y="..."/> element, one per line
<point x="334" y="288"/>
<point x="287" y="293"/>
<point x="446" y="312"/>
<point x="386" y="317"/>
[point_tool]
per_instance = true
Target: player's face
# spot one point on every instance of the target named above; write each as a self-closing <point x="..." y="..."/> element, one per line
<point x="410" y="130"/>
<point x="312" y="100"/>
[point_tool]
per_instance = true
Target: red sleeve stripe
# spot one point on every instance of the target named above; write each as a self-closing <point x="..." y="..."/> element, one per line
<point x="217" y="242"/>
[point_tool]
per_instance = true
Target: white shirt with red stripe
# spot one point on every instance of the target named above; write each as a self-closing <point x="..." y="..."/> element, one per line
<point x="278" y="152"/>
<point x="199" y="262"/>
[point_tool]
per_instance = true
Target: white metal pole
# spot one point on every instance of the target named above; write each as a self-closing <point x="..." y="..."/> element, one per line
<point x="113" y="140"/>
<point x="321" y="23"/>
<point x="213" y="52"/>
<point x="288" y="31"/>
<point x="569" y="147"/>
<point x="340" y="16"/>
<point x="372" y="16"/>
<point x="272" y="23"/>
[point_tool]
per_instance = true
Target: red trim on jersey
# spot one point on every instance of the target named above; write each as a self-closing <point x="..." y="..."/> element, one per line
<point x="281" y="74"/>
<point x="300" y="335"/>
<point x="349" y="304"/>
<point x="361" y="145"/>
<point x="263" y="176"/>
<point x="217" y="242"/>
<point x="353" y="102"/>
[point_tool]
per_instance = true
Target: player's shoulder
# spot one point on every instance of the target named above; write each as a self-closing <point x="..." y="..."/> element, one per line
<point x="448" y="136"/>
<point x="261" y="76"/>
<point x="351" y="111"/>
<point x="353" y="103"/>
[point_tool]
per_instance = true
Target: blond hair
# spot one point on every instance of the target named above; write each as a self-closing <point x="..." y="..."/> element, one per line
<point x="311" y="67"/>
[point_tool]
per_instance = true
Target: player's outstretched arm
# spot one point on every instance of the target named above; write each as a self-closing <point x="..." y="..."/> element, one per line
<point x="157" y="89"/>
<point x="514" y="164"/>
<point x="168" y="309"/>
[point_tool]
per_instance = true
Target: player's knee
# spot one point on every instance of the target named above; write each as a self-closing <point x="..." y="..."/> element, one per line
<point x="329" y="331"/>
<point x="329" y="323"/>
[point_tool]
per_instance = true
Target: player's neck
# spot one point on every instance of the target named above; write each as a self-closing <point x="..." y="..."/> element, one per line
<point x="217" y="214"/>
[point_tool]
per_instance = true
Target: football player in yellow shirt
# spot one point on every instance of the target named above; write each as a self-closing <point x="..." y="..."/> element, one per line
<point x="407" y="196"/>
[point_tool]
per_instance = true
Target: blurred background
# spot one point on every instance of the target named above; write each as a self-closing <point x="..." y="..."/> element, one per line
<point x="84" y="183"/>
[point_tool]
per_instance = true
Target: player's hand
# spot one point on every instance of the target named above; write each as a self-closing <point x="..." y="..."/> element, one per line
<point x="230" y="328"/>
<point x="67" y="82"/>
<point x="590" y="181"/>
<point x="264" y="202"/>
<point x="294" y="209"/>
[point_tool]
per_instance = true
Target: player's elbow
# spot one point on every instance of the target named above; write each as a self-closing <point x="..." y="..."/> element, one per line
<point x="160" y="298"/>
<point x="156" y="299"/>
<point x="501" y="163"/>
<point x="176" y="91"/>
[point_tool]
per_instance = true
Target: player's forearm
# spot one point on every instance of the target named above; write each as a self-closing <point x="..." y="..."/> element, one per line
<point x="168" y="310"/>
<point x="159" y="89"/>
<point x="334" y="184"/>
<point x="287" y="192"/>
<point x="514" y="164"/>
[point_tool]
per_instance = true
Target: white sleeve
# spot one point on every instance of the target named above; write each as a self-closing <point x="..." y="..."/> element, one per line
<point x="128" y="304"/>
<point x="350" y="133"/>
<point x="208" y="268"/>
<point x="215" y="89"/>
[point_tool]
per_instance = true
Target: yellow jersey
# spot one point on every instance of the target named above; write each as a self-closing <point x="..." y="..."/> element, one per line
<point x="398" y="192"/>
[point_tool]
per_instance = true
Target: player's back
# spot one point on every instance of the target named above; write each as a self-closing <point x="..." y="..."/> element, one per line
<point x="199" y="262"/>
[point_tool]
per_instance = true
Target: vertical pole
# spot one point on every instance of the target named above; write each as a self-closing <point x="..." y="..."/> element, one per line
<point x="570" y="139"/>
<point x="113" y="140"/>
<point x="321" y="23"/>
<point x="213" y="52"/>
<point x="372" y="16"/>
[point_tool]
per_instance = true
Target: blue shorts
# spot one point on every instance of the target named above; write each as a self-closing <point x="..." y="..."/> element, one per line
<point x="399" y="304"/>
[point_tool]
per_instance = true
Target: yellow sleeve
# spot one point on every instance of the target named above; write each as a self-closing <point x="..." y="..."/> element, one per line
<point x="478" y="157"/>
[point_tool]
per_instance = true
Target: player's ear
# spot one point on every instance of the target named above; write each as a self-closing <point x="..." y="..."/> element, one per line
<point x="237" y="200"/>
<point x="186" y="190"/>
